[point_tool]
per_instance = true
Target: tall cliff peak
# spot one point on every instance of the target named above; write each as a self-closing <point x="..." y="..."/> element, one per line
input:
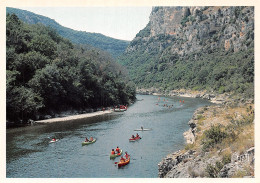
<point x="201" y="28"/>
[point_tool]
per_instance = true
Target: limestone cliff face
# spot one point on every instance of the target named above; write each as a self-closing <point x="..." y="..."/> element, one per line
<point x="189" y="29"/>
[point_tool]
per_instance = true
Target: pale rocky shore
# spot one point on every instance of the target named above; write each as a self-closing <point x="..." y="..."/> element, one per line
<point x="74" y="117"/>
<point x="211" y="96"/>
<point x="192" y="162"/>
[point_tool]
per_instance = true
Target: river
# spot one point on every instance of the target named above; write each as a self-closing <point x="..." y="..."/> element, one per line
<point x="29" y="154"/>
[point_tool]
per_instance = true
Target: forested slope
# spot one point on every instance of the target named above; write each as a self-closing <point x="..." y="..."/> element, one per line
<point x="46" y="73"/>
<point x="114" y="46"/>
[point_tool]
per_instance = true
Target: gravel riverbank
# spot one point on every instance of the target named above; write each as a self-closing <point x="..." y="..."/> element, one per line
<point x="73" y="117"/>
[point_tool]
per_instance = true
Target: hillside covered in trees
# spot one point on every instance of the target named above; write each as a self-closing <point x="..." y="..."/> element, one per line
<point x="113" y="46"/>
<point x="199" y="48"/>
<point x="46" y="73"/>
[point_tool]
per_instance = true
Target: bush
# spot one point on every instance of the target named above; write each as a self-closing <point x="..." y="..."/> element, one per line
<point x="211" y="171"/>
<point x="189" y="146"/>
<point x="226" y="159"/>
<point x="212" y="137"/>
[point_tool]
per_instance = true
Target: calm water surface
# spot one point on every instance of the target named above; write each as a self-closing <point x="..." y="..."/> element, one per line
<point x="29" y="153"/>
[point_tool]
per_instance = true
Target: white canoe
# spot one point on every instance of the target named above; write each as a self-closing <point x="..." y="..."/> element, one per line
<point x="145" y="129"/>
<point x="119" y="110"/>
<point x="52" y="141"/>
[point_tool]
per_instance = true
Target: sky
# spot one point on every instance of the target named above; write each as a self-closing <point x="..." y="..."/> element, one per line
<point x="116" y="22"/>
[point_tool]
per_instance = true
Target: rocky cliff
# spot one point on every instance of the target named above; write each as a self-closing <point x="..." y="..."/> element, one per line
<point x="194" y="48"/>
<point x="191" y="29"/>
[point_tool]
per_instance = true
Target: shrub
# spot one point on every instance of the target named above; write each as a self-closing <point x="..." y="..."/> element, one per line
<point x="211" y="171"/>
<point x="199" y="117"/>
<point x="226" y="159"/>
<point x="213" y="136"/>
<point x="189" y="146"/>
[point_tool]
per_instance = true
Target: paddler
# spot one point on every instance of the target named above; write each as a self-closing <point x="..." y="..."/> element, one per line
<point x="142" y="128"/>
<point x="91" y="139"/>
<point x="112" y="152"/>
<point x="137" y="135"/>
<point x="54" y="139"/>
<point x="126" y="155"/>
<point x="117" y="150"/>
<point x="133" y="136"/>
<point x="122" y="159"/>
<point x="86" y="140"/>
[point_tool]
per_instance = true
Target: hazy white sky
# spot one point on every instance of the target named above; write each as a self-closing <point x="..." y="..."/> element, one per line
<point x="117" y="22"/>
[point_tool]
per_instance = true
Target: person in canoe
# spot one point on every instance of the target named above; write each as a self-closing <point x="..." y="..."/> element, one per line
<point x="142" y="128"/>
<point x="133" y="137"/>
<point x="112" y="152"/>
<point x="137" y="135"/>
<point x="117" y="150"/>
<point x="122" y="159"/>
<point x="126" y="155"/>
<point x="86" y="140"/>
<point x="91" y="139"/>
<point x="54" y="139"/>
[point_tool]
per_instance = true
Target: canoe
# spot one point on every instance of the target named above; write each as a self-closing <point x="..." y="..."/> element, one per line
<point x="119" y="110"/>
<point x="112" y="156"/>
<point x="87" y="143"/>
<point x="120" y="164"/>
<point x="147" y="129"/>
<point x="52" y="141"/>
<point x="134" y="139"/>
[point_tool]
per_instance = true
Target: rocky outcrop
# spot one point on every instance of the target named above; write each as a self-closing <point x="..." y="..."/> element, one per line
<point x="224" y="161"/>
<point x="197" y="29"/>
<point x="236" y="163"/>
<point x="191" y="164"/>
<point x="190" y="135"/>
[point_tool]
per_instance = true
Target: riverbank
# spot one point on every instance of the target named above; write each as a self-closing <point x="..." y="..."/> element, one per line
<point x="74" y="117"/>
<point x="213" y="97"/>
<point x="220" y="143"/>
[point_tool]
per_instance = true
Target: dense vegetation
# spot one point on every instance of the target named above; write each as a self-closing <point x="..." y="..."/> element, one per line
<point x="220" y="71"/>
<point x="114" y="46"/>
<point x="46" y="73"/>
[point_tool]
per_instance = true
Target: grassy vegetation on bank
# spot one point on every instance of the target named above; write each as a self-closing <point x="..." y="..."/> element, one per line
<point x="222" y="131"/>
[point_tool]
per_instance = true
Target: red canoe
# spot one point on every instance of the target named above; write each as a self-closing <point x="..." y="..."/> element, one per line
<point x="123" y="163"/>
<point x="134" y="139"/>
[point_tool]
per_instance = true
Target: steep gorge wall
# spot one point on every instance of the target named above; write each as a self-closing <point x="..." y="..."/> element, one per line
<point x="208" y="48"/>
<point x="199" y="28"/>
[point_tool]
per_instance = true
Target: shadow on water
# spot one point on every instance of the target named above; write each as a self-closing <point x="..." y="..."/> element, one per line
<point x="17" y="137"/>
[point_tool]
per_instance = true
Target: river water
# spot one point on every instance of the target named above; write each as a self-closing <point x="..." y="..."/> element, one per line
<point x="29" y="154"/>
